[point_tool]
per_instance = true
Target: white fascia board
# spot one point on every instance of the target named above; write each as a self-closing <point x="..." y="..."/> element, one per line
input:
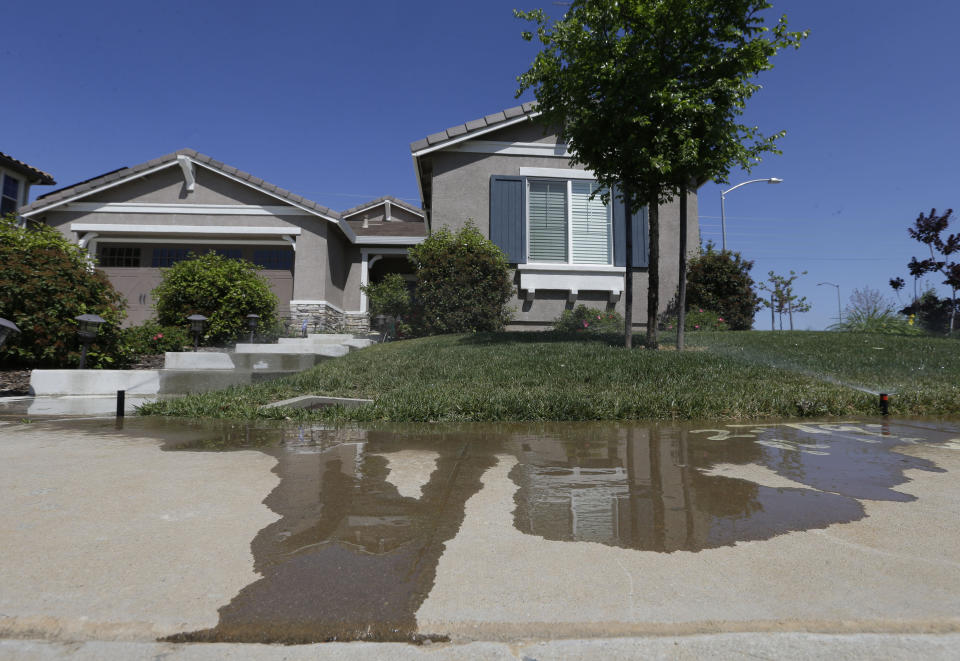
<point x="91" y="191"/>
<point x="423" y="200"/>
<point x="383" y="251"/>
<point x="192" y="240"/>
<point x="390" y="240"/>
<point x="556" y="150"/>
<point x="187" y="209"/>
<point x="557" y="173"/>
<point x="475" y="134"/>
<point x="182" y="229"/>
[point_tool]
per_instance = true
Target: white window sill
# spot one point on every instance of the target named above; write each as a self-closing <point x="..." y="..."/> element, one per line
<point x="571" y="268"/>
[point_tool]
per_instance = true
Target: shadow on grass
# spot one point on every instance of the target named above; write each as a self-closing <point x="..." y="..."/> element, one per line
<point x="536" y="337"/>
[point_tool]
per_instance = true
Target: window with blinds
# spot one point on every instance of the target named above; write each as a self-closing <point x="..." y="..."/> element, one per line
<point x="563" y="221"/>
<point x="548" y="221"/>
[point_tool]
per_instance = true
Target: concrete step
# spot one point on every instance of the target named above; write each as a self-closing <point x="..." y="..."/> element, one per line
<point x="358" y="343"/>
<point x="284" y="362"/>
<point x="317" y="338"/>
<point x="328" y="350"/>
<point x="182" y="382"/>
<point x="197" y="360"/>
<point x="94" y="382"/>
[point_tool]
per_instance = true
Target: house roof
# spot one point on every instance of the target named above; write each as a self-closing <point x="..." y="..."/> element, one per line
<point x="33" y="174"/>
<point x="476" y="126"/>
<point x="91" y="185"/>
<point x="380" y="200"/>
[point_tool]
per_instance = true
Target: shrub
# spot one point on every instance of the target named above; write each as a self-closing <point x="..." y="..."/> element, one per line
<point x="582" y="319"/>
<point x="720" y="281"/>
<point x="390" y="296"/>
<point x="701" y="320"/>
<point x="931" y="313"/>
<point x="222" y="289"/>
<point x="151" y="338"/>
<point x="463" y="283"/>
<point x="46" y="282"/>
<point x="870" y="312"/>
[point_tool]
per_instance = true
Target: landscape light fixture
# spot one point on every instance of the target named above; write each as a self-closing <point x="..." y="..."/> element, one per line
<point x="252" y="321"/>
<point x="89" y="327"/>
<point x="7" y="328"/>
<point x="197" y="322"/>
<point x="723" y="199"/>
<point x="839" y="310"/>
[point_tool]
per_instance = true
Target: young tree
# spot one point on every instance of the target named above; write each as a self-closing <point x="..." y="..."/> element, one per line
<point x="931" y="231"/>
<point x="783" y="300"/>
<point x="648" y="94"/>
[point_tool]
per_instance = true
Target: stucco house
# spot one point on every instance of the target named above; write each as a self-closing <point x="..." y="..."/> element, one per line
<point x="137" y="220"/>
<point x="508" y="174"/>
<point x="16" y="177"/>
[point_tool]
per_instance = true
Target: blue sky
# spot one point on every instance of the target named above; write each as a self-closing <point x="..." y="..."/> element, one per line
<point x="324" y="98"/>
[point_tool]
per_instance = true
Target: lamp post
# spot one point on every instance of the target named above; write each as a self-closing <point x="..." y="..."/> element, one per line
<point x="197" y="322"/>
<point x="723" y="199"/>
<point x="89" y="327"/>
<point x="7" y="328"/>
<point x="839" y="312"/>
<point x="252" y="321"/>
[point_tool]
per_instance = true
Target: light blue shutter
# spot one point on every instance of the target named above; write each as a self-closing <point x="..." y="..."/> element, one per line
<point x="548" y="221"/>
<point x="589" y="225"/>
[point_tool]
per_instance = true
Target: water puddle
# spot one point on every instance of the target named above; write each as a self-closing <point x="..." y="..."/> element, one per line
<point x="365" y="513"/>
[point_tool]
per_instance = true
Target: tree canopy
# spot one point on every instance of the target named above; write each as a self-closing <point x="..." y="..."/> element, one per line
<point x="648" y="94"/>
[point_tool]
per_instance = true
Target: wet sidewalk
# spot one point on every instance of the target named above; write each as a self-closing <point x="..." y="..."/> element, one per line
<point x="596" y="540"/>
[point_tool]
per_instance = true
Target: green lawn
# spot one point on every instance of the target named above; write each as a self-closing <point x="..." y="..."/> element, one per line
<point x="545" y="376"/>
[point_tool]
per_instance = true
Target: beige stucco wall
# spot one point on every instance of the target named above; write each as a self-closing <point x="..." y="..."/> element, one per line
<point x="307" y="280"/>
<point x="461" y="191"/>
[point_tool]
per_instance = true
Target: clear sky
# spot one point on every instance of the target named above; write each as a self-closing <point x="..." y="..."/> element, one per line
<point x="323" y="99"/>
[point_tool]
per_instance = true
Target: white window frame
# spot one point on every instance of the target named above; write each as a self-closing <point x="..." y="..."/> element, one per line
<point x="18" y="201"/>
<point x="568" y="181"/>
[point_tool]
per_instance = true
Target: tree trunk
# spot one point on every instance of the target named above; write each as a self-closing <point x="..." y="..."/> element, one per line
<point x="682" y="293"/>
<point x="628" y="274"/>
<point x="773" y="322"/>
<point x="653" y="283"/>
<point x="790" y="313"/>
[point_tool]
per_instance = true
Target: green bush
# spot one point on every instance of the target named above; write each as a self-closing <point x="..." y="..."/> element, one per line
<point x="720" y="281"/>
<point x="700" y="320"/>
<point x="46" y="282"/>
<point x="870" y="312"/>
<point x="390" y="296"/>
<point x="463" y="283"/>
<point x="222" y="289"/>
<point x="582" y="319"/>
<point x="150" y="338"/>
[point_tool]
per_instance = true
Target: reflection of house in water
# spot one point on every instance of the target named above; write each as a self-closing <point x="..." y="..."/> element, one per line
<point x="632" y="487"/>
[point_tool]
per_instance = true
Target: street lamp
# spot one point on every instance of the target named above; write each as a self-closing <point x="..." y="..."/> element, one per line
<point x="723" y="198"/>
<point x="252" y="321"/>
<point x="197" y="322"/>
<point x="89" y="326"/>
<point x="7" y="328"/>
<point x="839" y="313"/>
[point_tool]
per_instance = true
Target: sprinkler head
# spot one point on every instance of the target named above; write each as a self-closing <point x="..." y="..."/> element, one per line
<point x="884" y="404"/>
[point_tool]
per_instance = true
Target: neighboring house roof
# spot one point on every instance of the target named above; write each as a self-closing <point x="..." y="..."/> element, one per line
<point x="380" y="200"/>
<point x="394" y="227"/>
<point x="90" y="186"/>
<point x="475" y="127"/>
<point x="34" y="175"/>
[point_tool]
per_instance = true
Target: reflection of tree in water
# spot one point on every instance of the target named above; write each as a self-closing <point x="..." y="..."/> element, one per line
<point x="350" y="557"/>
<point x="640" y="488"/>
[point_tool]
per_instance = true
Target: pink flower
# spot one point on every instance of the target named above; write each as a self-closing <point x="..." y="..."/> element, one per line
<point x="598" y="316"/>
<point x="697" y="326"/>
<point x="701" y="309"/>
<point x="585" y="324"/>
<point x="720" y="319"/>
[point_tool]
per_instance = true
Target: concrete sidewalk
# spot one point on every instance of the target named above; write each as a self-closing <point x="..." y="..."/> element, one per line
<point x="109" y="543"/>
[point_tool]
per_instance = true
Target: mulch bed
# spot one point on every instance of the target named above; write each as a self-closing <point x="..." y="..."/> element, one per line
<point x="16" y="382"/>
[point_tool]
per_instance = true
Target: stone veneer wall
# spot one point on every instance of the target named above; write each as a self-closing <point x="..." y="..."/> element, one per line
<point x="328" y="318"/>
